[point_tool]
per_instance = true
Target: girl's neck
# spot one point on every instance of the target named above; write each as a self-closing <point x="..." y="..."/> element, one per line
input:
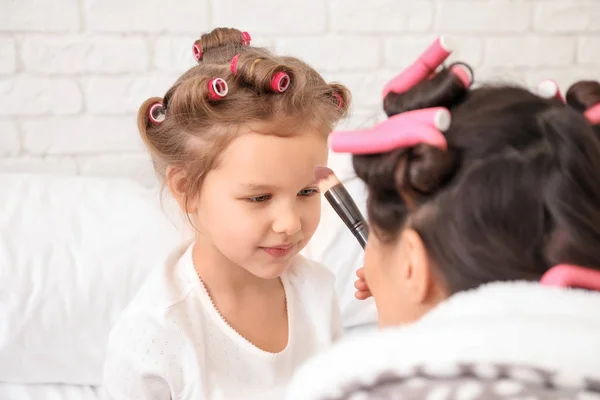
<point x="221" y="275"/>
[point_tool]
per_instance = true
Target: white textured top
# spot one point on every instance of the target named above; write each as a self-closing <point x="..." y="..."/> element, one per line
<point x="172" y="343"/>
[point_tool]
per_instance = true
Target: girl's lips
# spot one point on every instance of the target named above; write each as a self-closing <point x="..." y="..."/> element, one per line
<point x="278" y="251"/>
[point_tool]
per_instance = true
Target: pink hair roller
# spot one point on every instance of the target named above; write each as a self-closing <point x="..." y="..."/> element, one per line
<point x="423" y="67"/>
<point x="565" y="275"/>
<point x="246" y="39"/>
<point x="156" y="113"/>
<point x="339" y="99"/>
<point x="592" y="114"/>
<point x="438" y="117"/>
<point x="401" y="130"/>
<point x="217" y="89"/>
<point x="233" y="65"/>
<point x="463" y="74"/>
<point x="549" y="89"/>
<point x="198" y="54"/>
<point x="280" y="82"/>
<point x="435" y="72"/>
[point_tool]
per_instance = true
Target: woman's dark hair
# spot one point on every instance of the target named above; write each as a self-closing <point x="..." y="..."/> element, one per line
<point x="517" y="191"/>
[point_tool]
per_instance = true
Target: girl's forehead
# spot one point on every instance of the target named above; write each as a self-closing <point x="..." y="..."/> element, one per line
<point x="260" y="158"/>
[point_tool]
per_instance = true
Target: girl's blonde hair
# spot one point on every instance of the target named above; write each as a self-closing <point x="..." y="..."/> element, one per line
<point x="193" y="129"/>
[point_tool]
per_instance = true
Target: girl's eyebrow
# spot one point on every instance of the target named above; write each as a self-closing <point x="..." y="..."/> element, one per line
<point x="257" y="186"/>
<point x="267" y="187"/>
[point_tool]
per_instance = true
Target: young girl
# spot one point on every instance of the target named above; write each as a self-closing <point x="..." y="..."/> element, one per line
<point x="474" y="225"/>
<point x="236" y="140"/>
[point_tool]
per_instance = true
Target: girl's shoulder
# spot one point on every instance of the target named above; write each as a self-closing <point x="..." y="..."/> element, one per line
<point x="311" y="280"/>
<point x="152" y="336"/>
<point x="155" y="309"/>
<point x="166" y="286"/>
<point x="303" y="270"/>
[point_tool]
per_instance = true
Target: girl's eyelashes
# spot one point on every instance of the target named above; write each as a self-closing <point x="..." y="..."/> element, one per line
<point x="308" y="192"/>
<point x="258" y="199"/>
<point x="266" y="197"/>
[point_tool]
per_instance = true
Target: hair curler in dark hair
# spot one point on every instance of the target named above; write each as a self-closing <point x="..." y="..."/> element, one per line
<point x="584" y="96"/>
<point x="444" y="90"/>
<point x="549" y="89"/>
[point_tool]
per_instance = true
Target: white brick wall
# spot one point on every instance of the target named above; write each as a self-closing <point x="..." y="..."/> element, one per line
<point x="73" y="72"/>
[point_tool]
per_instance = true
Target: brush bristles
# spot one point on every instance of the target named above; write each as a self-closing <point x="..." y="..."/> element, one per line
<point x="325" y="178"/>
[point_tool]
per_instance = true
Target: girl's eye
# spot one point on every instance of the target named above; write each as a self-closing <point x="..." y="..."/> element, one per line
<point x="308" y="192"/>
<point x="259" y="199"/>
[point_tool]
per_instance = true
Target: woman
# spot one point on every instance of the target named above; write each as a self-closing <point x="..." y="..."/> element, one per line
<point x="465" y="223"/>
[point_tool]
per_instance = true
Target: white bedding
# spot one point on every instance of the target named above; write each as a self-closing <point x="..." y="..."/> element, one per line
<point x="48" y="392"/>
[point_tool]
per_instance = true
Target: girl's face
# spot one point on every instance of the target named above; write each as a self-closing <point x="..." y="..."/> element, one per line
<point x="261" y="205"/>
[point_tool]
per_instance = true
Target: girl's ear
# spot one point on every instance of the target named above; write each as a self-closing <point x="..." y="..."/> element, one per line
<point x="178" y="182"/>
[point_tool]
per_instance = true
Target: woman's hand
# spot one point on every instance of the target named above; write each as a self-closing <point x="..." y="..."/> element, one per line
<point x="362" y="290"/>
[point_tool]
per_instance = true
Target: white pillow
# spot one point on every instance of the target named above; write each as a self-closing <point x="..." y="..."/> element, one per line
<point x="73" y="251"/>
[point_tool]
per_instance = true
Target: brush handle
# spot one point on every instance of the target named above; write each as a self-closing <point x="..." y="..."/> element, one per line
<point x="345" y="207"/>
<point x="361" y="233"/>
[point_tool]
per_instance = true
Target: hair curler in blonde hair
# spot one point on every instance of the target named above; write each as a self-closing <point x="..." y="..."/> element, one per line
<point x="233" y="84"/>
<point x="217" y="89"/>
<point x="156" y="113"/>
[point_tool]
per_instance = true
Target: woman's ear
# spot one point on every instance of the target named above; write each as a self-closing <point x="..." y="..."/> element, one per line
<point x="178" y="183"/>
<point x="417" y="275"/>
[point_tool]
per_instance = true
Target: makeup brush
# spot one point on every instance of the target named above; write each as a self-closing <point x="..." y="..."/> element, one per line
<point x="343" y="204"/>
